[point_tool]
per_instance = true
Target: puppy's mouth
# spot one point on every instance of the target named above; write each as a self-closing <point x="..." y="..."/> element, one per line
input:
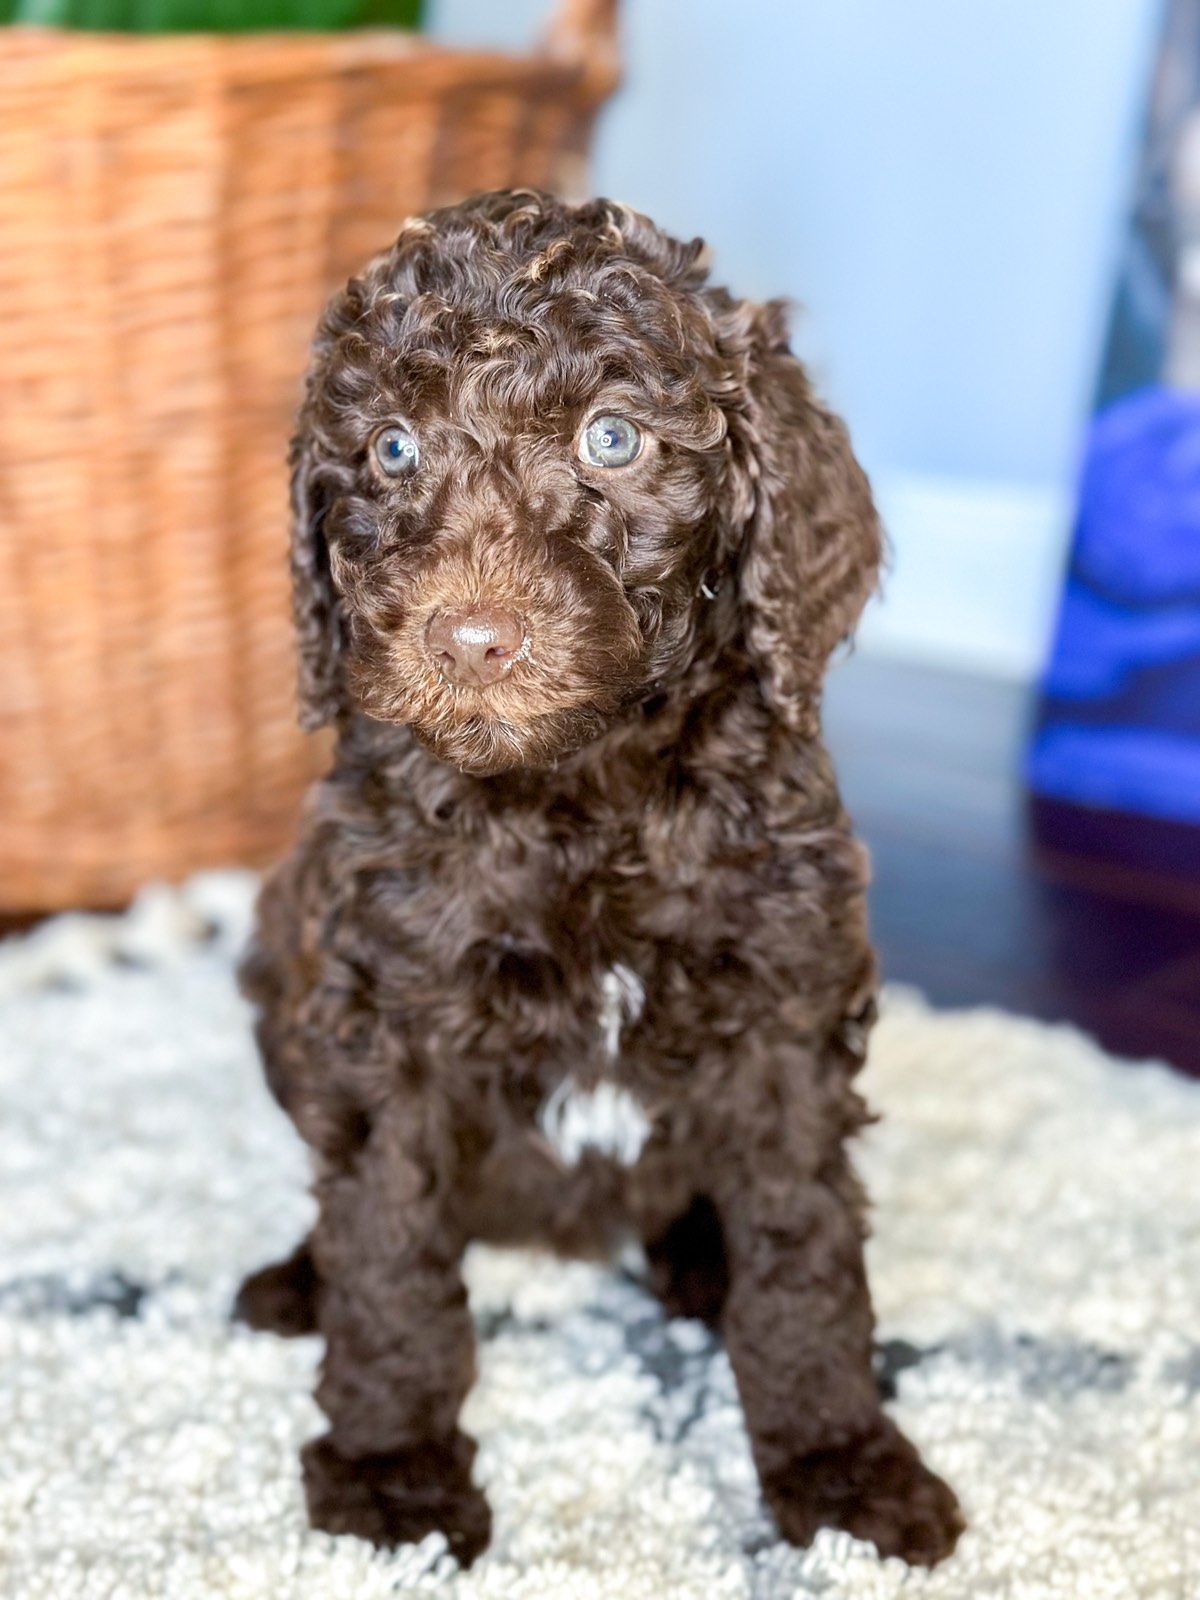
<point x="488" y="708"/>
<point x="485" y="745"/>
<point x="492" y="676"/>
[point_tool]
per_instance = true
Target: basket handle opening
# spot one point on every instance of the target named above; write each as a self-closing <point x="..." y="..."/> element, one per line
<point x="585" y="32"/>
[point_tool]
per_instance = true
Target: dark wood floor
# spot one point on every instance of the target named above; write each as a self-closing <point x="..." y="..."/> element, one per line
<point x="981" y="895"/>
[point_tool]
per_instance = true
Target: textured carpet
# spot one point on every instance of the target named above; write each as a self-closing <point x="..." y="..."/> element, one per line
<point x="1036" y="1267"/>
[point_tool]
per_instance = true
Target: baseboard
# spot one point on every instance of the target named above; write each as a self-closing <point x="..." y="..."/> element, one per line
<point x="975" y="573"/>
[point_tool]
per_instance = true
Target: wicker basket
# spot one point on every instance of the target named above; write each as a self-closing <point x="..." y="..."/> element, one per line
<point x="174" y="211"/>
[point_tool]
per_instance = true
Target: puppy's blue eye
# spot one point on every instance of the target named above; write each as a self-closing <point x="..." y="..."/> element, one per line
<point x="396" y="451"/>
<point x="610" y="441"/>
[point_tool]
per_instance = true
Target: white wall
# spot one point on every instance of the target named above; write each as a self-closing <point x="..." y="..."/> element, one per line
<point x="940" y="184"/>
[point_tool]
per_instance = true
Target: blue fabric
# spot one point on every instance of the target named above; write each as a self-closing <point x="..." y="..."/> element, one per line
<point x="1138" y="535"/>
<point x="1119" y="723"/>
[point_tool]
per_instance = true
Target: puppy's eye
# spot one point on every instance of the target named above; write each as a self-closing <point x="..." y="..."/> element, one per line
<point x="610" y="442"/>
<point x="395" y="451"/>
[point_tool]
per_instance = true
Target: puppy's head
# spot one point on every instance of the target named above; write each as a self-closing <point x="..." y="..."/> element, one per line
<point x="534" y="445"/>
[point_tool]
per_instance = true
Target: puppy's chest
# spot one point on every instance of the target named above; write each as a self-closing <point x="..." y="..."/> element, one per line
<point x="539" y="925"/>
<point x="595" y="1109"/>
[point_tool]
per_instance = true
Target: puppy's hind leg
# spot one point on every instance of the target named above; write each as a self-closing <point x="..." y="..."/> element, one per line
<point x="689" y="1267"/>
<point x="281" y="1298"/>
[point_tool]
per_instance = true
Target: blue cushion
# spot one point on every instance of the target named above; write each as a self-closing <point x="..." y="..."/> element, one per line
<point x="1119" y="720"/>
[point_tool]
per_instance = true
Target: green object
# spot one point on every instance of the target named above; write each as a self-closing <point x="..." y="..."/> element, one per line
<point x="213" y="16"/>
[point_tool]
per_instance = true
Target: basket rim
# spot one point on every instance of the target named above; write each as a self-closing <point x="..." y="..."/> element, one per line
<point x="282" y="54"/>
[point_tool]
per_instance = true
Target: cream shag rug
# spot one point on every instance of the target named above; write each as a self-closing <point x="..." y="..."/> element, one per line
<point x="1036" y="1268"/>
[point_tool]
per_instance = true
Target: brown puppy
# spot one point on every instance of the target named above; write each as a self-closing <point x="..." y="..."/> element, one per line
<point x="573" y="544"/>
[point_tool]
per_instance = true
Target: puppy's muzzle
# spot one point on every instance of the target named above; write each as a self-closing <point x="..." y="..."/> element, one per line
<point x="475" y="647"/>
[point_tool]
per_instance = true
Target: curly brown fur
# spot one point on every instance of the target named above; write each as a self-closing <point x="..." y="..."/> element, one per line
<point x="645" y="791"/>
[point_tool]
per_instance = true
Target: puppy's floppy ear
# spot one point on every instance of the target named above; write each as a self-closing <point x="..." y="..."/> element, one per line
<point x="314" y="599"/>
<point x="811" y="540"/>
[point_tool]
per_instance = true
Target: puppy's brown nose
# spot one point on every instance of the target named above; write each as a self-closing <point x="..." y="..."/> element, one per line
<point x="475" y="647"/>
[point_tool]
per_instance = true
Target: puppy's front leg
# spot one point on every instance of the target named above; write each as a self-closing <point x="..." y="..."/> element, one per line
<point x="798" y="1327"/>
<point x="400" y="1353"/>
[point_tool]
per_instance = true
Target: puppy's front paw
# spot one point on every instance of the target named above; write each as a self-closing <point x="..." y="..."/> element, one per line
<point x="877" y="1489"/>
<point x="399" y="1497"/>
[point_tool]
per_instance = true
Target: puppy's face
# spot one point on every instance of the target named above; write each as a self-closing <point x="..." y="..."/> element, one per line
<point x="534" y="443"/>
<point x="525" y="466"/>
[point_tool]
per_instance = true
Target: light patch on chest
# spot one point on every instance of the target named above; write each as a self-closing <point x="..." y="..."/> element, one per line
<point x="621" y="1000"/>
<point x="608" y="1118"/>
